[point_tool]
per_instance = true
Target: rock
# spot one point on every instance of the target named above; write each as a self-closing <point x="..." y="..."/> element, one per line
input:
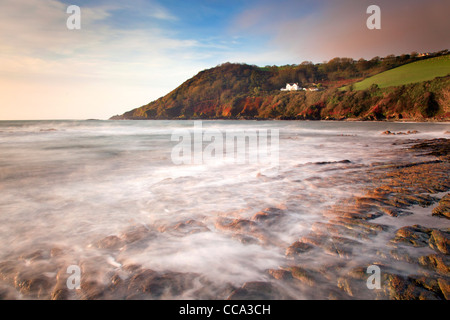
<point x="416" y="235"/>
<point x="280" y="274"/>
<point x="158" y="285"/>
<point x="436" y="262"/>
<point x="185" y="228"/>
<point x="435" y="147"/>
<point x="111" y="242"/>
<point x="404" y="288"/>
<point x="258" y="290"/>
<point x="444" y="285"/>
<point x="401" y="254"/>
<point x="394" y="212"/>
<point x="443" y="208"/>
<point x="340" y="246"/>
<point x="34" y="284"/>
<point x="56" y="252"/>
<point x="430" y="284"/>
<point x="245" y="239"/>
<point x="92" y="289"/>
<point x="440" y="241"/>
<point x="61" y="291"/>
<point x="354" y="283"/>
<point x="268" y="216"/>
<point x="334" y="245"/>
<point x="298" y="247"/>
<point x="387" y="132"/>
<point x="305" y="276"/>
<point x="8" y="293"/>
<point x="9" y="269"/>
<point x="35" y="255"/>
<point x="137" y="233"/>
<point x="236" y="225"/>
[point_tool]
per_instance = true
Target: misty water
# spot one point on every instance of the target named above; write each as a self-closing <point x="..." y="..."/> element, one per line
<point x="69" y="184"/>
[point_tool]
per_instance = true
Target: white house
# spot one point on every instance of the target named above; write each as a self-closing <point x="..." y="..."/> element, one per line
<point x="292" y="87"/>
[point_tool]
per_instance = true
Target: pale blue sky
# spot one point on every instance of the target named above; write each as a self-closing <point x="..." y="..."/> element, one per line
<point x="130" y="53"/>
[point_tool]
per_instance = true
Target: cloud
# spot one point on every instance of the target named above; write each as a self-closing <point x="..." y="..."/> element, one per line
<point x="38" y="51"/>
<point x="328" y="29"/>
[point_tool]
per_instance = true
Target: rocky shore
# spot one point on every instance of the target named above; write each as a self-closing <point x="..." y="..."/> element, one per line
<point x="399" y="223"/>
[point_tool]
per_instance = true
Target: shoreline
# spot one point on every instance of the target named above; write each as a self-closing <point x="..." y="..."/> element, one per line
<point x="329" y="262"/>
<point x="270" y="119"/>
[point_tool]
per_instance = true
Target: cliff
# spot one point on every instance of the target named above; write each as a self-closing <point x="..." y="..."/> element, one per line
<point x="240" y="91"/>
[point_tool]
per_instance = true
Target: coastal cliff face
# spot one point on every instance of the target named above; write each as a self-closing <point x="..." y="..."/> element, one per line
<point x="240" y="91"/>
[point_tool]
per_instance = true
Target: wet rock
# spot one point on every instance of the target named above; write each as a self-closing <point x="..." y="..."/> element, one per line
<point x="394" y="212"/>
<point x="397" y="287"/>
<point x="268" y="216"/>
<point x="333" y="229"/>
<point x="440" y="241"/>
<point x="353" y="287"/>
<point x="303" y="275"/>
<point x="313" y="239"/>
<point x="361" y="226"/>
<point x="436" y="147"/>
<point x="401" y="254"/>
<point x="436" y="262"/>
<point x="137" y="233"/>
<point x="298" y="247"/>
<point x="340" y="246"/>
<point x="39" y="254"/>
<point x="9" y="269"/>
<point x="245" y="239"/>
<point x="334" y="245"/>
<point x="430" y="284"/>
<point x="92" y="290"/>
<point x="185" y="228"/>
<point x="56" y="252"/>
<point x="61" y="291"/>
<point x="236" y="225"/>
<point x="158" y="285"/>
<point x="141" y="281"/>
<point x="417" y="199"/>
<point x="8" y="293"/>
<point x="111" y="242"/>
<point x="387" y="132"/>
<point x="60" y="294"/>
<point x="280" y="274"/>
<point x="444" y="285"/>
<point x="354" y="283"/>
<point x="93" y="279"/>
<point x="443" y="208"/>
<point x="34" y="284"/>
<point x="258" y="290"/>
<point x="416" y="235"/>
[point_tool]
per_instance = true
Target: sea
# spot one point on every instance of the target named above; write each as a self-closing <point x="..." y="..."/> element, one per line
<point x="68" y="184"/>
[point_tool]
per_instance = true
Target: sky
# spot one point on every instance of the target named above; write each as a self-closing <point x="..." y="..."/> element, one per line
<point x="129" y="53"/>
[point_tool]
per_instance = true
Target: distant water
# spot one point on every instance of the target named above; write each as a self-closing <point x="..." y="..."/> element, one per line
<point x="71" y="183"/>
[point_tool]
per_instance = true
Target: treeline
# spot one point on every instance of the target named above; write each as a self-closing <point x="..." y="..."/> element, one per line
<point x="245" y="91"/>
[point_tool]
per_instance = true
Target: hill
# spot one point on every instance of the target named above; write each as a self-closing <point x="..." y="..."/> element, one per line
<point x="410" y="73"/>
<point x="241" y="91"/>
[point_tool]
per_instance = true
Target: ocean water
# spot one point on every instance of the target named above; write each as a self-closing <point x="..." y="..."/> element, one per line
<point x="69" y="184"/>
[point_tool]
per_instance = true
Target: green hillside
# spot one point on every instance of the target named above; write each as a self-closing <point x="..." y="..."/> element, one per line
<point x="410" y="73"/>
<point x="241" y="91"/>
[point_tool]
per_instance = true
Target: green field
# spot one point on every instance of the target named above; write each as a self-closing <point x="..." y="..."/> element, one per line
<point x="410" y="73"/>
